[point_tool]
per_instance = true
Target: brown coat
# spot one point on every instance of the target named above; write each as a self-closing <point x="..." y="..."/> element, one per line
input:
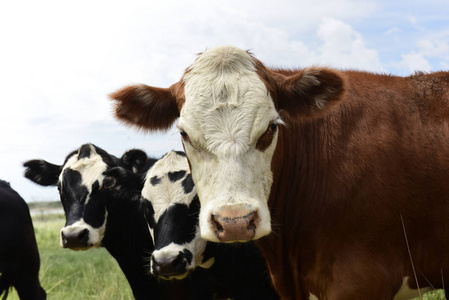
<point x="357" y="185"/>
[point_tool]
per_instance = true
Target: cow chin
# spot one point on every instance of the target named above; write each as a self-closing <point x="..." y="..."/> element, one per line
<point x="172" y="262"/>
<point x="235" y="222"/>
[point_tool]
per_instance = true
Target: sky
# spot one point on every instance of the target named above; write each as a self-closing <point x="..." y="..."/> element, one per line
<point x="59" y="60"/>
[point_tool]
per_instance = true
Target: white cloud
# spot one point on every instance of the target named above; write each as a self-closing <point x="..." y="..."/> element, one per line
<point x="413" y="62"/>
<point x="434" y="48"/>
<point x="426" y="49"/>
<point x="346" y="48"/>
<point x="411" y="19"/>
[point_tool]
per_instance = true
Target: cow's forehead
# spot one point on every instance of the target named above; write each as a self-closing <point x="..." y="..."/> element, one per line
<point x="90" y="168"/>
<point x="170" y="162"/>
<point x="226" y="102"/>
<point x="166" y="183"/>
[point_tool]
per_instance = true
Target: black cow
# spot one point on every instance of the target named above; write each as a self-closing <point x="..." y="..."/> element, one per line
<point x="237" y="271"/>
<point x="19" y="255"/>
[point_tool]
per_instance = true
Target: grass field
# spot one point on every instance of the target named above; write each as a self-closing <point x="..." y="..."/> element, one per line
<point x="92" y="274"/>
<point x="67" y="274"/>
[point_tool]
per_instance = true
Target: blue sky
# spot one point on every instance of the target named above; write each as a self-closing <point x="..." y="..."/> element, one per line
<point x="59" y="60"/>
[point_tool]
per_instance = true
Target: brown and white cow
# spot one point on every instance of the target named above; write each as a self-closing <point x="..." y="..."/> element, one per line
<point x="346" y="172"/>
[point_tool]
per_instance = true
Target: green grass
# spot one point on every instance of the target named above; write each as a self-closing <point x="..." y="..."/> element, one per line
<point x="433" y="295"/>
<point x="91" y="274"/>
<point x="67" y="274"/>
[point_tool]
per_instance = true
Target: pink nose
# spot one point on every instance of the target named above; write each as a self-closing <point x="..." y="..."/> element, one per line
<point x="235" y="225"/>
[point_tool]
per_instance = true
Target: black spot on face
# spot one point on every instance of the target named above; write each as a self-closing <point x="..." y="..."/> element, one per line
<point x="177" y="225"/>
<point x="95" y="211"/>
<point x="188" y="184"/>
<point x="95" y="187"/>
<point x="155" y="180"/>
<point x="175" y="176"/>
<point x="181" y="153"/>
<point x="73" y="195"/>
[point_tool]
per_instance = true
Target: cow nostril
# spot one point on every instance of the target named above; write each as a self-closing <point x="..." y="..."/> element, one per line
<point x="83" y="237"/>
<point x="218" y="227"/>
<point x="252" y="225"/>
<point x="254" y="220"/>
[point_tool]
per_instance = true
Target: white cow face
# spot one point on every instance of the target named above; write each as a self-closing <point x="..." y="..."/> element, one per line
<point x="229" y="129"/>
<point x="227" y="103"/>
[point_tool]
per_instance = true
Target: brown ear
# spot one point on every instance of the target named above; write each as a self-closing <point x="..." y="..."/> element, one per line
<point x="146" y="107"/>
<point x="311" y="91"/>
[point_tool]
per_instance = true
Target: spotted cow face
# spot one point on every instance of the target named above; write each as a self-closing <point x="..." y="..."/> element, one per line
<point x="84" y="192"/>
<point x="173" y="217"/>
<point x="80" y="184"/>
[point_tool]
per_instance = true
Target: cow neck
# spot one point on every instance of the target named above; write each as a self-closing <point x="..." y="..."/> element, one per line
<point x="128" y="240"/>
<point x="300" y="169"/>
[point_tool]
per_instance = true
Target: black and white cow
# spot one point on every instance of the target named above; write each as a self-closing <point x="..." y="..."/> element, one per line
<point x="238" y="271"/>
<point x="19" y="255"/>
<point x="98" y="214"/>
<point x="89" y="192"/>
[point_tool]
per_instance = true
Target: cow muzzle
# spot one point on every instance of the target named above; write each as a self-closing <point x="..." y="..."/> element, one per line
<point x="75" y="238"/>
<point x="171" y="267"/>
<point x="235" y="225"/>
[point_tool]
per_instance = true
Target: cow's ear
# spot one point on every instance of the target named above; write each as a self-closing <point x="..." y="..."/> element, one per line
<point x="42" y="172"/>
<point x="311" y="91"/>
<point x="134" y="160"/>
<point x="146" y="107"/>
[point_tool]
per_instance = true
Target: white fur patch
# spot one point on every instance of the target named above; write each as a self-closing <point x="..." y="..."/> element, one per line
<point x="405" y="292"/>
<point x="91" y="169"/>
<point x="313" y="297"/>
<point x="227" y="109"/>
<point x="208" y="263"/>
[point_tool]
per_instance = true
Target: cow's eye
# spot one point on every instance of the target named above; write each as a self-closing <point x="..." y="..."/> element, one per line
<point x="266" y="138"/>
<point x="273" y="127"/>
<point x="109" y="182"/>
<point x="184" y="136"/>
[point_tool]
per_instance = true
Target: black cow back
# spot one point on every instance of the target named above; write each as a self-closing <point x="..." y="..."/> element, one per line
<point x="19" y="256"/>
